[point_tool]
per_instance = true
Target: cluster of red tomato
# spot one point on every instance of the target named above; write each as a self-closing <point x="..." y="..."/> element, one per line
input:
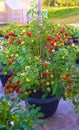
<point x="11" y="87"/>
<point x="65" y="77"/>
<point x="56" y="40"/>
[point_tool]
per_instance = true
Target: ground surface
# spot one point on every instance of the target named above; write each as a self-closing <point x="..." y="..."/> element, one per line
<point x="64" y="119"/>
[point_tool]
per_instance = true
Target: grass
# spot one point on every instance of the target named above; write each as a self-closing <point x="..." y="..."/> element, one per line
<point x="63" y="12"/>
<point x="65" y="15"/>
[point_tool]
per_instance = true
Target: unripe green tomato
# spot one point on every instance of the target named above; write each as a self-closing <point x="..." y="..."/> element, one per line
<point x="67" y="69"/>
<point x="52" y="82"/>
<point x="55" y="44"/>
<point x="73" y="45"/>
<point x="16" y="55"/>
<point x="63" y="57"/>
<point x="32" y="40"/>
<point x="46" y="31"/>
<point x="47" y="83"/>
<point x="34" y="90"/>
<point x="48" y="89"/>
<point x="22" y="74"/>
<point x="77" y="50"/>
<point x="51" y="76"/>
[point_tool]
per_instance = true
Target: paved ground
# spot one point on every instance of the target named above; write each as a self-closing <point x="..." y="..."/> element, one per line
<point x="64" y="119"/>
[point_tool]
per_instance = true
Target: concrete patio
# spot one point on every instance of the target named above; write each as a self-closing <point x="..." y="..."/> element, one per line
<point x="64" y="119"/>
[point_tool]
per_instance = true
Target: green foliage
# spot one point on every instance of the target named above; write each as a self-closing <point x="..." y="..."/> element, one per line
<point x="57" y="13"/>
<point x="61" y="2"/>
<point x="40" y="57"/>
<point x="76" y="32"/>
<point x="1" y="32"/>
<point x="14" y="116"/>
<point x="49" y="2"/>
<point x="34" y="11"/>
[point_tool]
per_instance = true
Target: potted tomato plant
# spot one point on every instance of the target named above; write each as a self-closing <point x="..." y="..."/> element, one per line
<point x="42" y="65"/>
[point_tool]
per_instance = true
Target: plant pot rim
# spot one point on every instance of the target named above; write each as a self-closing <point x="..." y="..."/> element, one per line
<point x="2" y="74"/>
<point x="41" y="101"/>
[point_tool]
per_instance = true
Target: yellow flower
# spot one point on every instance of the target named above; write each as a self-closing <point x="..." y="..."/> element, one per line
<point x="36" y="57"/>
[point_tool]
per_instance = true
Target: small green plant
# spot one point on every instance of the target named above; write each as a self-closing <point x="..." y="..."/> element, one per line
<point x="33" y="12"/>
<point x="14" y="116"/>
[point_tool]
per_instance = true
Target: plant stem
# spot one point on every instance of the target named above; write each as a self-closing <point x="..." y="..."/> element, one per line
<point x="39" y="11"/>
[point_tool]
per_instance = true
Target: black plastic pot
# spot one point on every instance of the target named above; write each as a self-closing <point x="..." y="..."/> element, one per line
<point x="48" y="106"/>
<point x="4" y="78"/>
<point x="77" y="61"/>
<point x="75" y="40"/>
<point x="1" y="35"/>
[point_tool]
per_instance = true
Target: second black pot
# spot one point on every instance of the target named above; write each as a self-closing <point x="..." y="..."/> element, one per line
<point x="4" y="78"/>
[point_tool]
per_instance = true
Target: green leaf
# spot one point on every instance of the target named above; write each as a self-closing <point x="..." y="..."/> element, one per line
<point x="24" y="125"/>
<point x="15" y="79"/>
<point x="28" y="55"/>
<point x="2" y="126"/>
<point x="23" y="49"/>
<point x="43" y="96"/>
<point x="7" y="97"/>
<point x="20" y="58"/>
<point x="11" y="128"/>
<point x="24" y="87"/>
